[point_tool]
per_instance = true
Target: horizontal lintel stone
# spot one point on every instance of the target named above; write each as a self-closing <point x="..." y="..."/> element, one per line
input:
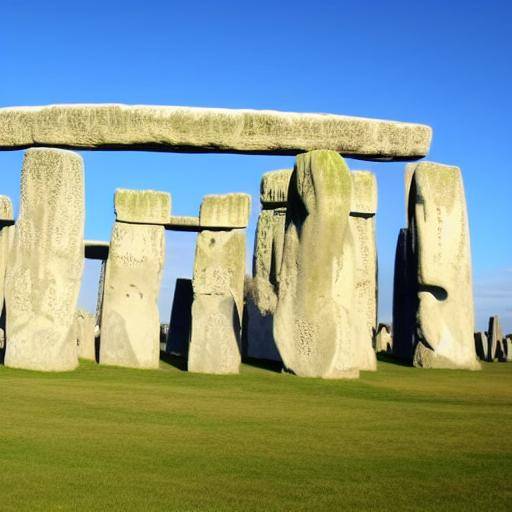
<point x="214" y="130"/>
<point x="142" y="206"/>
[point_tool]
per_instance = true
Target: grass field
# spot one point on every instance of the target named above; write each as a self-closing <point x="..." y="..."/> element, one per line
<point x="114" y="439"/>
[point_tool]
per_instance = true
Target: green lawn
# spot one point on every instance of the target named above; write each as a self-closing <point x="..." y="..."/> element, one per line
<point x="113" y="439"/>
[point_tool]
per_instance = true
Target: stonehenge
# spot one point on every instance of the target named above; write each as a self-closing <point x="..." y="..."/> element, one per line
<point x="188" y="129"/>
<point x="311" y="302"/>
<point x="130" y="325"/>
<point x="218" y="285"/>
<point x="312" y="322"/>
<point x="364" y="306"/>
<point x="436" y="266"/>
<point x="45" y="263"/>
<point x="261" y="297"/>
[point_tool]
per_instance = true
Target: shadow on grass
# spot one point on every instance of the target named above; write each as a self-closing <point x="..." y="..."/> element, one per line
<point x="389" y="358"/>
<point x="264" y="364"/>
<point x="180" y="363"/>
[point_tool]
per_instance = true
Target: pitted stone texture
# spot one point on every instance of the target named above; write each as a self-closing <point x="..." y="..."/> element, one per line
<point x="312" y="321"/>
<point x="364" y="193"/>
<point x="274" y="187"/>
<point x="218" y="286"/>
<point x="383" y="339"/>
<point x="364" y="305"/>
<point x="167" y="128"/>
<point x="445" y="318"/>
<point x="144" y="206"/>
<point x="45" y="264"/>
<point x="130" y="324"/>
<point x="6" y="212"/>
<point x="85" y="325"/>
<point x="225" y="211"/>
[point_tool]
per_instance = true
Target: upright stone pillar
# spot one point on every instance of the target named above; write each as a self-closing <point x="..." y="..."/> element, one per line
<point x="362" y="226"/>
<point x="268" y="251"/>
<point x="45" y="263"/>
<point x="178" y="337"/>
<point x="495" y="345"/>
<point x="218" y="285"/>
<point x="439" y="226"/>
<point x="130" y="324"/>
<point x="312" y="321"/>
<point x="6" y="238"/>
<point x="85" y="324"/>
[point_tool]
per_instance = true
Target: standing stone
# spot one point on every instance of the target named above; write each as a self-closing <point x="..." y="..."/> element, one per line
<point x="45" y="264"/>
<point x="130" y="324"/>
<point x="508" y="347"/>
<point x="364" y="306"/>
<point x="218" y="286"/>
<point x="180" y="325"/>
<point x="439" y="226"/>
<point x="404" y="299"/>
<point x="383" y="339"/>
<point x="6" y="238"/>
<point x="481" y="345"/>
<point x="85" y="324"/>
<point x="495" y="348"/>
<point x="268" y="251"/>
<point x="312" y="321"/>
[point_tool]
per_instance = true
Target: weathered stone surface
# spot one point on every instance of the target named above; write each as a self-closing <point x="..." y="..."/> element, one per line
<point x="85" y="325"/>
<point x="312" y="321"/>
<point x="364" y="306"/>
<point x="495" y="350"/>
<point x="225" y="211"/>
<point x="481" y="345"/>
<point x="508" y="347"/>
<point x="142" y="206"/>
<point x="364" y="193"/>
<point x="383" y="339"/>
<point x="268" y="249"/>
<point x="183" y="223"/>
<point x="6" y="238"/>
<point x="180" y="325"/>
<point x="166" y="128"/>
<point x="130" y="321"/>
<point x="438" y="220"/>
<point x="217" y="308"/>
<point x="45" y="264"/>
<point x="274" y="187"/>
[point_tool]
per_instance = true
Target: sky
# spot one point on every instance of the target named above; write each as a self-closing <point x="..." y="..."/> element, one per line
<point x="445" y="64"/>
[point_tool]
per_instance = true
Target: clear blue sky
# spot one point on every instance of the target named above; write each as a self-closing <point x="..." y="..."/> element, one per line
<point x="443" y="63"/>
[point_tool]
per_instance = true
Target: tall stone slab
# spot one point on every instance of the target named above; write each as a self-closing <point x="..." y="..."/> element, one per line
<point x="495" y="349"/>
<point x="481" y="345"/>
<point x="312" y="321"/>
<point x="218" y="286"/>
<point x="268" y="250"/>
<point x="364" y="306"/>
<point x="180" y="325"/>
<point x="130" y="324"/>
<point x="6" y="238"/>
<point x="439" y="224"/>
<point x="45" y="263"/>
<point x="383" y="339"/>
<point x="404" y="298"/>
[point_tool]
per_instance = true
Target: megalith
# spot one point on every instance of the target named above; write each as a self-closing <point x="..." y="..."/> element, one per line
<point x="218" y="285"/>
<point x="268" y="250"/>
<point x="130" y="324"/>
<point x="384" y="339"/>
<point x="6" y="237"/>
<point x="312" y="320"/>
<point x="45" y="263"/>
<point x="178" y="337"/>
<point x="439" y="227"/>
<point x="85" y="326"/>
<point x="364" y="305"/>
<point x="495" y="345"/>
<point x="481" y="345"/>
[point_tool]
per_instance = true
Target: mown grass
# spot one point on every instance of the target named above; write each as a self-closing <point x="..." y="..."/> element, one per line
<point x="115" y="439"/>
